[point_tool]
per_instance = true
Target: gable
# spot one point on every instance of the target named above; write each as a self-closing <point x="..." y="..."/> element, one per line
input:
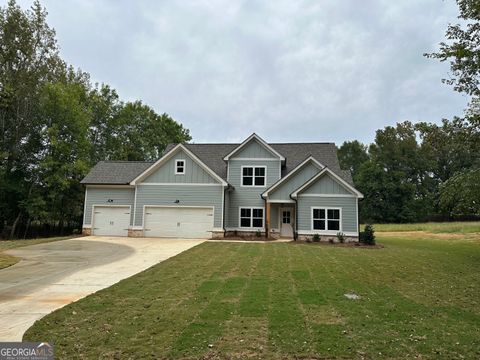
<point x="270" y="152"/>
<point x="194" y="173"/>
<point x="283" y="191"/>
<point x="327" y="185"/>
<point x="254" y="150"/>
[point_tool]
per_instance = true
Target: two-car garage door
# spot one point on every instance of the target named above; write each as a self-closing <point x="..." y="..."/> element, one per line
<point x="178" y="222"/>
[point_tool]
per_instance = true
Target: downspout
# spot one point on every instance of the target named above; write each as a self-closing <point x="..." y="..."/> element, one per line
<point x="225" y="188"/>
<point x="265" y="207"/>
<point x="295" y="233"/>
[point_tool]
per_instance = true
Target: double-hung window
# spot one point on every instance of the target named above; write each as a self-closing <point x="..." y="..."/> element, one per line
<point x="179" y="167"/>
<point x="251" y="217"/>
<point x="325" y="219"/>
<point x="253" y="175"/>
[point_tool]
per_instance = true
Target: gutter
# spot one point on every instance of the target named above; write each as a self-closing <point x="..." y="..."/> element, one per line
<point x="265" y="207"/>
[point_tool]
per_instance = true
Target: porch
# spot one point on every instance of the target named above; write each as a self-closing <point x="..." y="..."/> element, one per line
<point x="280" y="220"/>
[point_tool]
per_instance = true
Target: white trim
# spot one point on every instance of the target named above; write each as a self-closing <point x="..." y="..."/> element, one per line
<point x="281" y="201"/>
<point x="335" y="176"/>
<point x="327" y="195"/>
<point x="262" y="142"/>
<point x="85" y="208"/>
<point x="105" y="205"/>
<point x="136" y="228"/>
<point x="326" y="208"/>
<point x="168" y="155"/>
<point x="251" y="217"/>
<point x="254" y="159"/>
<point x="223" y="207"/>
<point x="281" y="180"/>
<point x="309" y="232"/>
<point x="107" y="186"/>
<point x="177" y="206"/>
<point x="253" y="176"/>
<point x="87" y="226"/>
<point x="184" y="166"/>
<point x="356" y="204"/>
<point x="183" y="184"/>
<point x="244" y="229"/>
<point x="135" y="206"/>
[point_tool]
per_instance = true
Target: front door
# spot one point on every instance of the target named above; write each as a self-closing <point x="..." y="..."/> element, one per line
<point x="286" y="229"/>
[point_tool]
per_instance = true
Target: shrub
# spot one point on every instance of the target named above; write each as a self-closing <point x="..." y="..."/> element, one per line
<point x="330" y="241"/>
<point x="367" y="236"/>
<point x="308" y="240"/>
<point x="316" y="238"/>
<point x="341" y="237"/>
<point x="258" y="233"/>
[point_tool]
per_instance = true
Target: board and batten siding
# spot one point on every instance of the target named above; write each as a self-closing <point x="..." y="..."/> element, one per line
<point x="254" y="150"/>
<point x="283" y="191"/>
<point x="194" y="173"/>
<point x="187" y="195"/>
<point x="101" y="195"/>
<point x="247" y="196"/>
<point x="347" y="204"/>
<point x="326" y="185"/>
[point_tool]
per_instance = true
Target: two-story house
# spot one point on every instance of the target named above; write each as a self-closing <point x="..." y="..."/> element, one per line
<point x="212" y="190"/>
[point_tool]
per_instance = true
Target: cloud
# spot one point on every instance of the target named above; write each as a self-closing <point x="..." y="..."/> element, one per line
<point x="290" y="71"/>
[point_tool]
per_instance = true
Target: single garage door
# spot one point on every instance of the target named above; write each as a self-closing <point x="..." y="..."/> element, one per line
<point x="111" y="220"/>
<point x="178" y="222"/>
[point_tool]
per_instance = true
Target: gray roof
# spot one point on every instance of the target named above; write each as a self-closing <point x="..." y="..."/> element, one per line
<point x="122" y="172"/>
<point x="115" y="172"/>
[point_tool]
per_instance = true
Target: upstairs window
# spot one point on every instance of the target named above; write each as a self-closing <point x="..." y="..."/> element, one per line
<point x="179" y="167"/>
<point x="253" y="175"/>
<point x="325" y="219"/>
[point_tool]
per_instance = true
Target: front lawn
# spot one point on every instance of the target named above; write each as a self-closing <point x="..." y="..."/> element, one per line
<point x="8" y="260"/>
<point x="419" y="299"/>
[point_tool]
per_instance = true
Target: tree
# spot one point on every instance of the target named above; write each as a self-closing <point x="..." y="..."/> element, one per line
<point x="351" y="155"/>
<point x="28" y="58"/>
<point x="460" y="195"/>
<point x="462" y="49"/>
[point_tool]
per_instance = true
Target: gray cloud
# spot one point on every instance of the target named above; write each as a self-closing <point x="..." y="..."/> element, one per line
<point x="290" y="71"/>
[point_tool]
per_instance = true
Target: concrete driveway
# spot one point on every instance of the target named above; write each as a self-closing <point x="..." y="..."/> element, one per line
<point x="52" y="275"/>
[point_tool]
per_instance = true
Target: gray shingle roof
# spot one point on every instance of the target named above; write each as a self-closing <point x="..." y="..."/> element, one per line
<point x="115" y="172"/>
<point x="122" y="172"/>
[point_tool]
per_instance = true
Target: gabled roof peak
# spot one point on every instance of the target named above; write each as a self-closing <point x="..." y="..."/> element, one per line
<point x="261" y="141"/>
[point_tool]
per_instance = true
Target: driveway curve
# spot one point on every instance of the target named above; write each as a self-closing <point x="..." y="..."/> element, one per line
<point x="52" y="275"/>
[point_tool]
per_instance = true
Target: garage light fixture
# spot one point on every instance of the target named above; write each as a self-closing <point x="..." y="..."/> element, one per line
<point x="177" y="201"/>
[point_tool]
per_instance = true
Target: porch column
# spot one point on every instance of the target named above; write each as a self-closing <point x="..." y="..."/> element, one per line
<point x="267" y="219"/>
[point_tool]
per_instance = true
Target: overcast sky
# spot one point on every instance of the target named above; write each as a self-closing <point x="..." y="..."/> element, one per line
<point x="330" y="70"/>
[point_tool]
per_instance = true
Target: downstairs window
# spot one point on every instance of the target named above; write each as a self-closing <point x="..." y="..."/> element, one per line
<point x="325" y="219"/>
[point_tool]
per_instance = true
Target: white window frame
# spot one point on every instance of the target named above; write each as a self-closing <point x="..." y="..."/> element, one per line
<point x="176" y="166"/>
<point x="253" y="176"/>
<point x="251" y="217"/>
<point x="326" y="208"/>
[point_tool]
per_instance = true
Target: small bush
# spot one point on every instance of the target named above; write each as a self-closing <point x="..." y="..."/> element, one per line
<point x="258" y="233"/>
<point x="316" y="238"/>
<point x="367" y="236"/>
<point x="330" y="241"/>
<point x="308" y="240"/>
<point x="341" y="237"/>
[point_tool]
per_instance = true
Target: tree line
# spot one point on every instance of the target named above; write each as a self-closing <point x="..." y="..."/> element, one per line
<point x="55" y="125"/>
<point x="424" y="171"/>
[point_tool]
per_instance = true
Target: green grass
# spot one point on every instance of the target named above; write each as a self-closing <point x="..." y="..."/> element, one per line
<point x="419" y="299"/>
<point x="8" y="260"/>
<point x="464" y="227"/>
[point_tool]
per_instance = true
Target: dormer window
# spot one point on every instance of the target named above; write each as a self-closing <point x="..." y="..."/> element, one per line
<point x="180" y="167"/>
<point x="253" y="175"/>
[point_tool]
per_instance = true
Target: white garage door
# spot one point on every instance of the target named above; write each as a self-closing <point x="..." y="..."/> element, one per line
<point x="111" y="220"/>
<point x="178" y="222"/>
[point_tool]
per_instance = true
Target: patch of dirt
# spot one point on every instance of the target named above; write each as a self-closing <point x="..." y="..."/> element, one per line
<point x="322" y="314"/>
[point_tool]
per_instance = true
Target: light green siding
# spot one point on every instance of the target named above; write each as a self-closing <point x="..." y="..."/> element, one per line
<point x="301" y="176"/>
<point x="247" y="196"/>
<point x="254" y="150"/>
<point x="347" y="204"/>
<point x="274" y="215"/>
<point x="100" y="196"/>
<point x="194" y="173"/>
<point x="187" y="195"/>
<point x="326" y="185"/>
